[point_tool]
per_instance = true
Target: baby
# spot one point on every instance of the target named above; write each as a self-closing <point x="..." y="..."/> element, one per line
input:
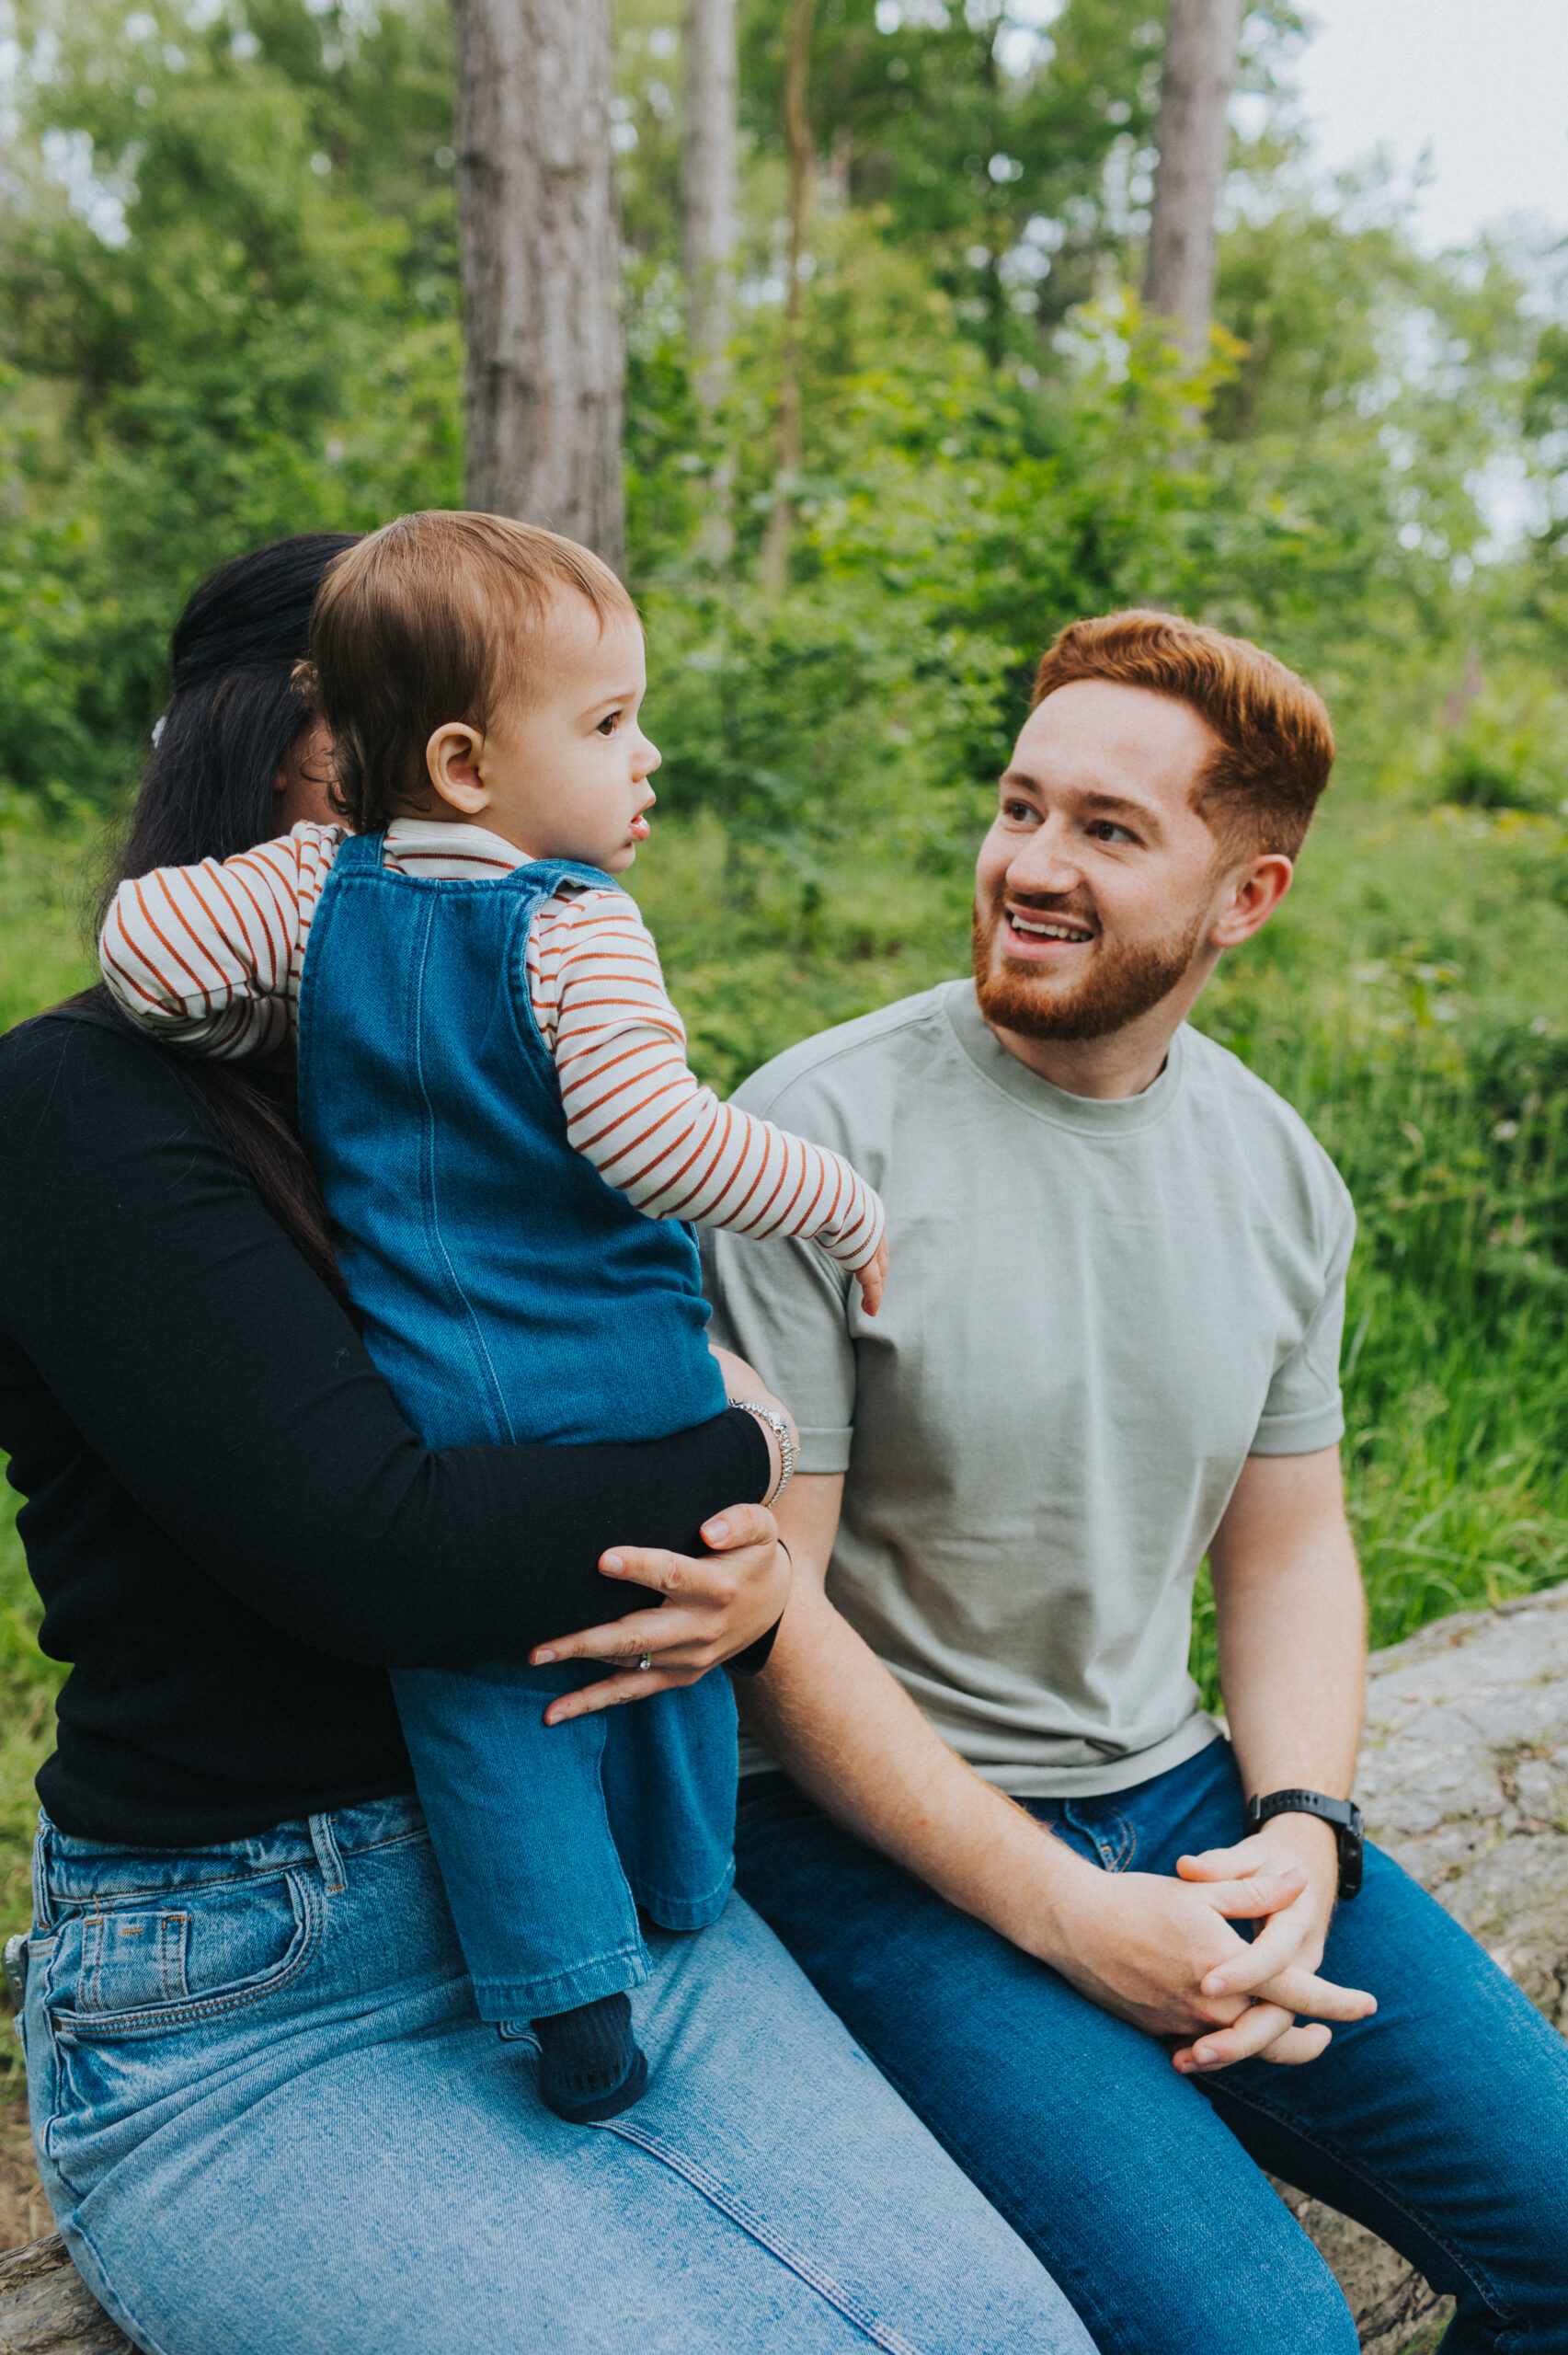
<point x="493" y="1091"/>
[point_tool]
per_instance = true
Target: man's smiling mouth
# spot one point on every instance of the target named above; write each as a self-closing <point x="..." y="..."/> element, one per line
<point x="1048" y="928"/>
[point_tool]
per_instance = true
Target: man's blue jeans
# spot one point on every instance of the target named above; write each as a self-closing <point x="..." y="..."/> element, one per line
<point x="1442" y="2123"/>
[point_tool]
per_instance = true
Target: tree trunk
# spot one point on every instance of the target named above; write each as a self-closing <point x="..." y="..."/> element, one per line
<point x="539" y="232"/>
<point x="797" y="133"/>
<point x="709" y="189"/>
<point x="1191" y="136"/>
<point x="46" y="2309"/>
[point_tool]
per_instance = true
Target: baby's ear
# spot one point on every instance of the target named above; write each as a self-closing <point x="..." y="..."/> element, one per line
<point x="452" y="760"/>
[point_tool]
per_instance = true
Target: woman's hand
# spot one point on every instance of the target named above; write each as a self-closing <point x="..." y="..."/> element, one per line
<point x="718" y="1604"/>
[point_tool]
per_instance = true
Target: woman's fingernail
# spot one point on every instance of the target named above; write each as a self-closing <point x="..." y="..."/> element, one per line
<point x="542" y="1658"/>
<point x="1203" y="2054"/>
<point x="611" y="1566"/>
<point x="716" y="1530"/>
<point x="1214" y="1986"/>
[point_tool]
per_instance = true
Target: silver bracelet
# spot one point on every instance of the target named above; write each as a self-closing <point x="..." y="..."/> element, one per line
<point x="780" y="1429"/>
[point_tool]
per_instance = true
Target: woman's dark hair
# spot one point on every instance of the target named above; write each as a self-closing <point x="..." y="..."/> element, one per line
<point x="209" y="791"/>
<point x="208" y="788"/>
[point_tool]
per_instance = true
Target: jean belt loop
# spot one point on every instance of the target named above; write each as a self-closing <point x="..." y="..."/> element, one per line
<point x="328" y="1856"/>
<point x="43" y="1912"/>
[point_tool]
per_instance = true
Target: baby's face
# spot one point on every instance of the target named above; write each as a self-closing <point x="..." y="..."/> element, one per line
<point x="567" y="773"/>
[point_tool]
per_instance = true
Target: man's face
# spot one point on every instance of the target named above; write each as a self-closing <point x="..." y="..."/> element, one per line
<point x="1099" y="883"/>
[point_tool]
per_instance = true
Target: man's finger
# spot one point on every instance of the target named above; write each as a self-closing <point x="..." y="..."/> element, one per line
<point x="1267" y="2031"/>
<point x="1222" y="1864"/>
<point x="614" y="1690"/>
<point x="1320" y="1998"/>
<point x="1262" y="1893"/>
<point x="1220" y="2048"/>
<point x="1276" y="1948"/>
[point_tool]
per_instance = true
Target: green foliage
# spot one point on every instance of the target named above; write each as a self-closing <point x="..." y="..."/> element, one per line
<point x="1509" y="748"/>
<point x="229" y="314"/>
<point x="49" y="860"/>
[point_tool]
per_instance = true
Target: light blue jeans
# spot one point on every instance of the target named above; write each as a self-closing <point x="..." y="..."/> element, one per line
<point x="270" y="2123"/>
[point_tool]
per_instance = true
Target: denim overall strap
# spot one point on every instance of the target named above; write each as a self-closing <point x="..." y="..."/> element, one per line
<point x="508" y="1291"/>
<point x="538" y="876"/>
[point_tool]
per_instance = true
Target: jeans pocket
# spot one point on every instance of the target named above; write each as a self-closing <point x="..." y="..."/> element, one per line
<point x="136" y="1969"/>
<point x="133" y="1961"/>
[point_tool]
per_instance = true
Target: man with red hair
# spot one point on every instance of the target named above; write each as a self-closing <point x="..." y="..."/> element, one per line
<point x="1079" y="1924"/>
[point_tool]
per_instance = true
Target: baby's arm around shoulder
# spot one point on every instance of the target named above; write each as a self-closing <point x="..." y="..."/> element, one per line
<point x="209" y="957"/>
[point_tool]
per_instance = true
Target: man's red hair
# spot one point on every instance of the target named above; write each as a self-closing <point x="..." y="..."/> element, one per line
<point x="1276" y="748"/>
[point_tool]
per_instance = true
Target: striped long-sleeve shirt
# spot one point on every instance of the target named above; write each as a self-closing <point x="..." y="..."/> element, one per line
<point x="210" y="956"/>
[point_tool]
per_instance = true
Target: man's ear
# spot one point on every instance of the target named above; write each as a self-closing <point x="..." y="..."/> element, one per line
<point x="453" y="758"/>
<point x="1255" y="893"/>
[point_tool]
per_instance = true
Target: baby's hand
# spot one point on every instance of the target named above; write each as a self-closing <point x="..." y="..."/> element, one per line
<point x="871" y="1279"/>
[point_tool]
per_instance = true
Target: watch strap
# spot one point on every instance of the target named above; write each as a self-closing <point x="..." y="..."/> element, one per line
<point x="1343" y="1815"/>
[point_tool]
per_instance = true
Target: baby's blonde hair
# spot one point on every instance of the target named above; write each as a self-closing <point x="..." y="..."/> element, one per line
<point x="420" y="623"/>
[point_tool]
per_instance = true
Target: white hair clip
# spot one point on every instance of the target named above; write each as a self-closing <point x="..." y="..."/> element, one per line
<point x="159" y="724"/>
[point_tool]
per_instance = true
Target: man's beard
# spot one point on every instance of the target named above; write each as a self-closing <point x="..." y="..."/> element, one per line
<point x="1014" y="993"/>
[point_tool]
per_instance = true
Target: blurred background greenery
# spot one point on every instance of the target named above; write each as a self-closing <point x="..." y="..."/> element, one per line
<point x="229" y="310"/>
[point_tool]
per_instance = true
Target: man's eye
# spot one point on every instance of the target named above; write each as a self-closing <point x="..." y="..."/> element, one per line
<point x="1019" y="812"/>
<point x="1105" y="830"/>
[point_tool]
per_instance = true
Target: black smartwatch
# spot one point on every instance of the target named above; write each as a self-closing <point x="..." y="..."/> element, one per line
<point x="1344" y="1814"/>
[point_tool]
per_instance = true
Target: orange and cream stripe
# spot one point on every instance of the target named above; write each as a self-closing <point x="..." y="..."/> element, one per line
<point x="210" y="956"/>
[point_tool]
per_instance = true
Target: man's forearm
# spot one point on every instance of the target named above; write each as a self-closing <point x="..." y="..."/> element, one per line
<point x="1292" y="1626"/>
<point x="851" y="1738"/>
<point x="1137" y="1943"/>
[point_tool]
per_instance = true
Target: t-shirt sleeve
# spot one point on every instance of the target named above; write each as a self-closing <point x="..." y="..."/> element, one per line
<point x="783" y="1306"/>
<point x="1305" y="1410"/>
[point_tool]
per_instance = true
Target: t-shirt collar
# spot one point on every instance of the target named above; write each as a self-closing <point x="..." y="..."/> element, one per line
<point x="455" y="839"/>
<point x="1096" y="1116"/>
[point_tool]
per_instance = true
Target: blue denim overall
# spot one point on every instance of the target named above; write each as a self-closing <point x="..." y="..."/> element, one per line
<point x="509" y="1293"/>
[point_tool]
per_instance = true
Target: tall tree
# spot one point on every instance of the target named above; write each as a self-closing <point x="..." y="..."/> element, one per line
<point x="798" y="140"/>
<point x="539" y="234"/>
<point x="1192" y="136"/>
<point x="709" y="188"/>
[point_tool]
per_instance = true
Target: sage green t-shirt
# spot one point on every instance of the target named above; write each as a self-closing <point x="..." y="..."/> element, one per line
<point x="1096" y="1313"/>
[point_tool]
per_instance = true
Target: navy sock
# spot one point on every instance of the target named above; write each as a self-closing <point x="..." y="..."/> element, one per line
<point x="590" y="2067"/>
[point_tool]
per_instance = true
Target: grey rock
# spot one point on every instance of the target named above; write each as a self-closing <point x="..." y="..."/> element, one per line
<point x="1464" y="1781"/>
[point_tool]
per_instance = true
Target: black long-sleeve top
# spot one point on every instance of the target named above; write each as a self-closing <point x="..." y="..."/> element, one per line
<point x="234" y="1531"/>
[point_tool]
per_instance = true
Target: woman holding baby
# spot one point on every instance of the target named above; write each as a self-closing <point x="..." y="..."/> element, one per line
<point x="270" y="2107"/>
